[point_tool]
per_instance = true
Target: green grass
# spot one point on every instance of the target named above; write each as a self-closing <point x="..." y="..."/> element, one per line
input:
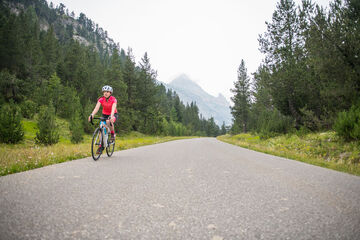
<point x="27" y="155"/>
<point x="324" y="149"/>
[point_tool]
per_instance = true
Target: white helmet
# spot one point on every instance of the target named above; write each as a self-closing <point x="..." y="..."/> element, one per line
<point x="107" y="88"/>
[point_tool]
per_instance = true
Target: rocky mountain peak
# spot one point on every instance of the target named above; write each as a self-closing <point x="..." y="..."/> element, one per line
<point x="209" y="106"/>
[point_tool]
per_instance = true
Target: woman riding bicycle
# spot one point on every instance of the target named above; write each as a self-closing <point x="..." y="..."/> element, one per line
<point x="108" y="104"/>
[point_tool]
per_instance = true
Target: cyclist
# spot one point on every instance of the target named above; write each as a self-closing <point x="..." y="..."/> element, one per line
<point x="108" y="104"/>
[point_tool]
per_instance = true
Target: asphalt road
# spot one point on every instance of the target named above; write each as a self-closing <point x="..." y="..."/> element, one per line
<point x="186" y="189"/>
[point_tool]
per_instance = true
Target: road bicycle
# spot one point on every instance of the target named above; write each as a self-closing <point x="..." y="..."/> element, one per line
<point x="101" y="139"/>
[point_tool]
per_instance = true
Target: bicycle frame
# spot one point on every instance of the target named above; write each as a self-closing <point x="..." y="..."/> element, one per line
<point x="105" y="129"/>
<point x="103" y="126"/>
<point x="101" y="139"/>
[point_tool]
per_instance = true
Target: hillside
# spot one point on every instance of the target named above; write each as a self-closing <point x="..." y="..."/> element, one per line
<point x="209" y="106"/>
<point x="66" y="27"/>
<point x="49" y="57"/>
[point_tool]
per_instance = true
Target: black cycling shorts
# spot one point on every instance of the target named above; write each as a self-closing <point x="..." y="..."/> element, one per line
<point x="115" y="115"/>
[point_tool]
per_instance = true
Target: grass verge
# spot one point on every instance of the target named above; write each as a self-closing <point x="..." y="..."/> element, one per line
<point x="321" y="149"/>
<point x="27" y="155"/>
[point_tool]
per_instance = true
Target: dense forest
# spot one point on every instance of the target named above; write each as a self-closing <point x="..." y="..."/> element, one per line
<point x="309" y="79"/>
<point x="50" y="59"/>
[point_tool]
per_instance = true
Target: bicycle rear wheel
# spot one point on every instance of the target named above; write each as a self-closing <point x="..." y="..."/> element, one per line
<point x="110" y="147"/>
<point x="96" y="144"/>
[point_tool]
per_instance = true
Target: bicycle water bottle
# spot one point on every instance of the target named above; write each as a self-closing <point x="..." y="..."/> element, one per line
<point x="105" y="137"/>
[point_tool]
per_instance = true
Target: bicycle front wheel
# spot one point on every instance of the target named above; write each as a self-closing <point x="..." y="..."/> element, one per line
<point x="110" y="147"/>
<point x="96" y="146"/>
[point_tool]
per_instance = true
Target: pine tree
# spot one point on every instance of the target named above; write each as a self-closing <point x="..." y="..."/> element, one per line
<point x="50" y="49"/>
<point x="146" y="95"/>
<point x="55" y="91"/>
<point x="9" y="86"/>
<point x="28" y="109"/>
<point x="147" y="86"/>
<point x="293" y="85"/>
<point x="212" y="130"/>
<point x="31" y="50"/>
<point x="173" y="115"/>
<point x="114" y="78"/>
<point x="333" y="46"/>
<point x="241" y="99"/>
<point x="263" y="104"/>
<point x="10" y="42"/>
<point x="130" y="79"/>
<point x="95" y="79"/>
<point x="347" y="124"/>
<point x="76" y="127"/>
<point x="223" y="129"/>
<point x="75" y="72"/>
<point x="179" y="108"/>
<point x="69" y="102"/>
<point x="11" y="129"/>
<point x="48" y="130"/>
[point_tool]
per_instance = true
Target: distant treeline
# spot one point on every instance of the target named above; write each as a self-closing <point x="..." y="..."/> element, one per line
<point x="310" y="76"/>
<point x="42" y="64"/>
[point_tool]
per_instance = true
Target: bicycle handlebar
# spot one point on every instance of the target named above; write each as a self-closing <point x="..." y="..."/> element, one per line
<point x="101" y="118"/>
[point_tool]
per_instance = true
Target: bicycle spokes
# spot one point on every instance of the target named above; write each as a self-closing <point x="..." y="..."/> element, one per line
<point x="96" y="145"/>
<point x="98" y="139"/>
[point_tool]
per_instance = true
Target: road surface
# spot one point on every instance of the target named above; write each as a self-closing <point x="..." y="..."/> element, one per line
<point x="185" y="189"/>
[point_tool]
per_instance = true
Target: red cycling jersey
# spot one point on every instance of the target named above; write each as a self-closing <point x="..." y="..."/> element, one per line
<point x="107" y="104"/>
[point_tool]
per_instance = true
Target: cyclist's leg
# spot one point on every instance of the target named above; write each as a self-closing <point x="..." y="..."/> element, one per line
<point x="112" y="127"/>
<point x="107" y="121"/>
<point x="109" y="125"/>
<point x="112" y="130"/>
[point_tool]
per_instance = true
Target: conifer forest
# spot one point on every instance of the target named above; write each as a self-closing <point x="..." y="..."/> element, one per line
<point x="49" y="58"/>
<point x="309" y="78"/>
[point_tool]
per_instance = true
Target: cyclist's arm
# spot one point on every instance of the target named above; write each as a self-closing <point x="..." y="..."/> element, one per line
<point x="113" y="109"/>
<point x="96" y="109"/>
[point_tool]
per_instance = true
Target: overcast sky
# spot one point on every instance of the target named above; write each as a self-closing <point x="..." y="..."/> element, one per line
<point x="205" y="39"/>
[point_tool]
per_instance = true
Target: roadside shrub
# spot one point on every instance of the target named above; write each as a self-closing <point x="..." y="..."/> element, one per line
<point x="347" y="125"/>
<point x="76" y="128"/>
<point x="274" y="123"/>
<point x="164" y="127"/>
<point x="11" y="129"/>
<point x="48" y="130"/>
<point x="310" y="120"/>
<point x="200" y="133"/>
<point x="176" y="129"/>
<point x="235" y="128"/>
<point x="28" y="109"/>
<point x="152" y="123"/>
<point x="303" y="131"/>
